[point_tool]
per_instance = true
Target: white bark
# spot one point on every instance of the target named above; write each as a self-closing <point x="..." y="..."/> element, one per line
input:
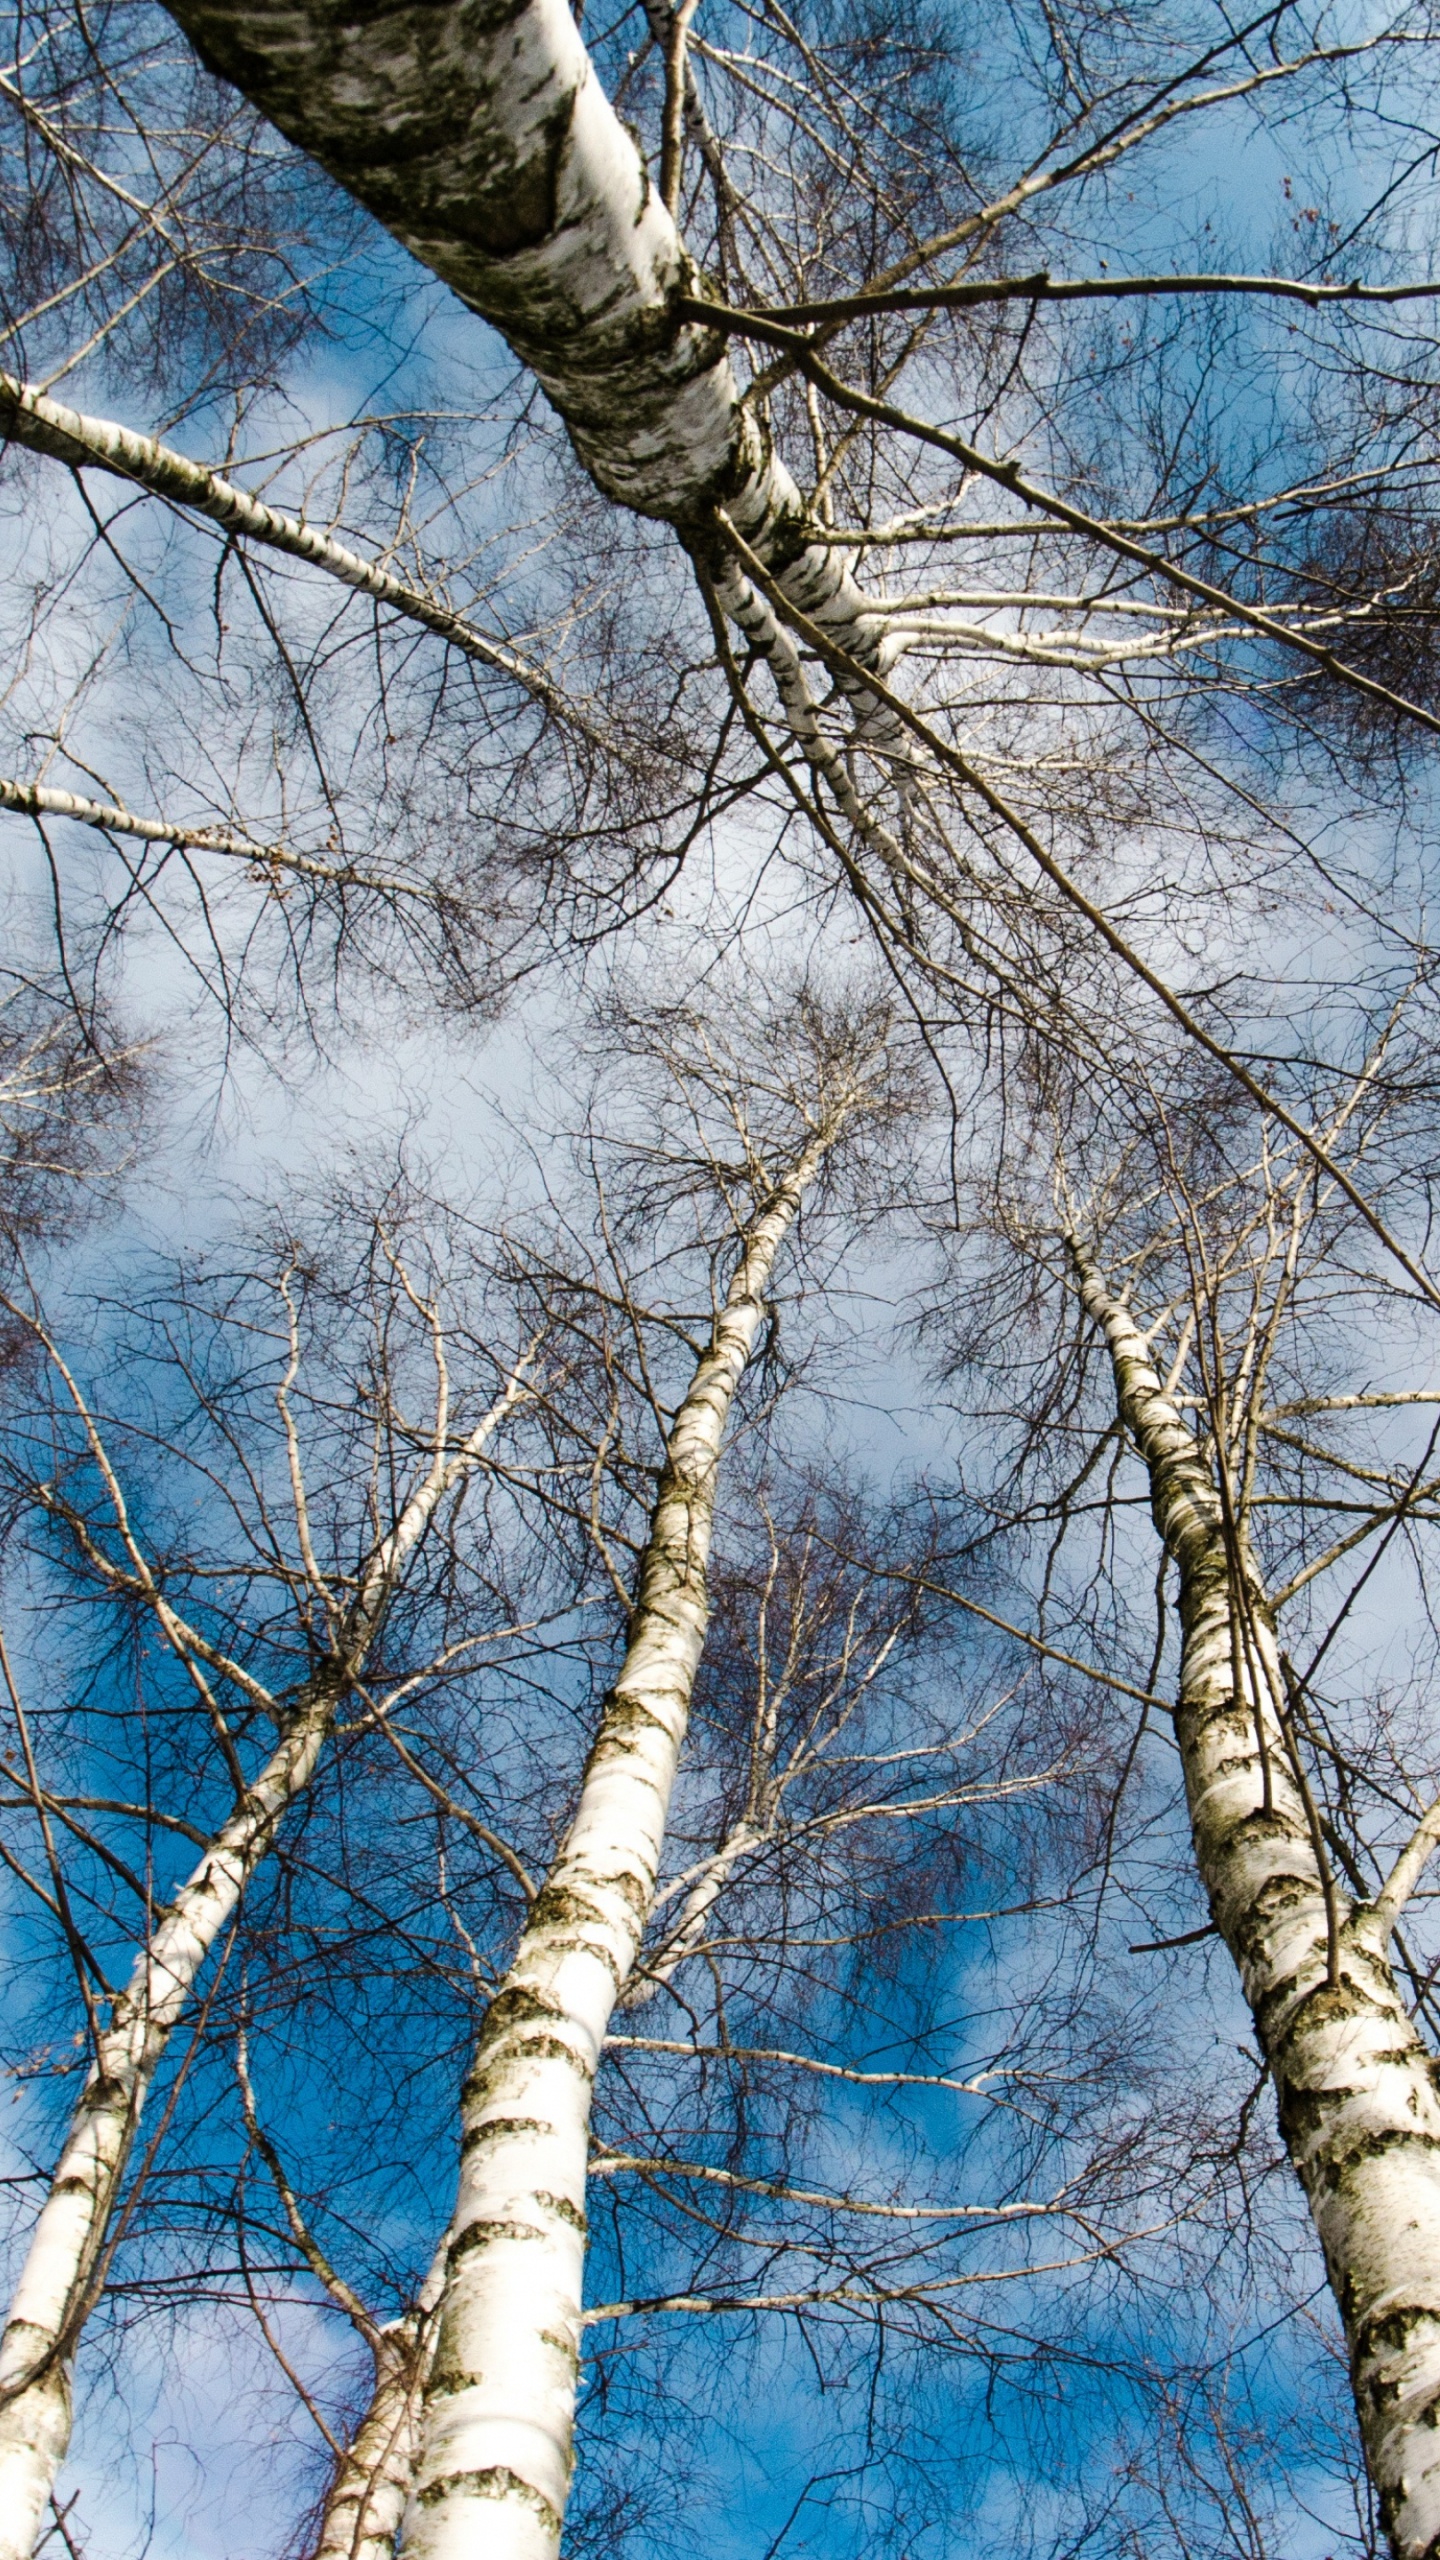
<point x="689" y="1929"/>
<point x="42" y="425"/>
<point x="108" y="817"/>
<point x="495" y="2467"/>
<point x="52" y="2297"/>
<point x="38" y="2344"/>
<point x="483" y="140"/>
<point x="373" y="2478"/>
<point x="1356" y="2089"/>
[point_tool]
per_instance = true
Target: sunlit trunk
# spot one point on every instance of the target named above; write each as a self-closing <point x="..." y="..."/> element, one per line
<point x="373" y="2477"/>
<point x="495" y="2469"/>
<point x="1356" y="2088"/>
<point x="50" y="2300"/>
<point x="52" y="2297"/>
<point x="484" y="141"/>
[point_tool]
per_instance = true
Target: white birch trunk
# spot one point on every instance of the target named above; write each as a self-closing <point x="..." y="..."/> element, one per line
<point x="37" y="2349"/>
<point x="1356" y="2088"/>
<point x="495" y="2466"/>
<point x="373" y="2478"/>
<point x="50" y="2301"/>
<point x="483" y="140"/>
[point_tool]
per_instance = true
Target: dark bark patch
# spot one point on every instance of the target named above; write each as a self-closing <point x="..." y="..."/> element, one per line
<point x="447" y="2380"/>
<point x="1332" y="2004"/>
<point x="563" y="2210"/>
<point x="1327" y="2175"/>
<point x="501" y="214"/>
<point x="498" y="2482"/>
<point x="1390" y="2333"/>
<point x="493" y="2066"/>
<point x="628" y="1888"/>
<point x="431" y="162"/>
<point x="559" y="1906"/>
<point x="1305" y="2111"/>
<point x="478" y="2235"/>
<point x="625" y="1718"/>
<point x="499" y="2129"/>
<point x="1278" y="1898"/>
<point x="517" y="2005"/>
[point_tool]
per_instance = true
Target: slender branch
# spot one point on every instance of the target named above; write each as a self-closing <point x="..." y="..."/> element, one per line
<point x="841" y="661"/>
<point x="806" y="2062"/>
<point x="1047" y="502"/>
<point x="616" y="2164"/>
<point x="44" y="800"/>
<point x="66" y="435"/>
<point x="1043" y="287"/>
<point x="672" y="139"/>
<point x="309" y="2247"/>
<point x="1405" y="1875"/>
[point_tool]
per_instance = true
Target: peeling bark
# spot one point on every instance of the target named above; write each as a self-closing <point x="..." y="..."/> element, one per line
<point x="478" y="134"/>
<point x="495" y="2468"/>
<point x="53" y="2295"/>
<point x="1356" y="2088"/>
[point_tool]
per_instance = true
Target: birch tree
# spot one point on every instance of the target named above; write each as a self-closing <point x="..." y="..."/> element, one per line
<point x="822" y="322"/>
<point x="598" y="295"/>
<point x="1353" y="2078"/>
<point x="1045" y="718"/>
<point x="685" y="1092"/>
<point x="1235" y="1303"/>
<point x="839" y="1811"/>
<point x="499" y="2405"/>
<point x="806" y="2131"/>
<point x="172" y="696"/>
<point x="341" y="1616"/>
<point x="842" y="1789"/>
<point x="731" y="2203"/>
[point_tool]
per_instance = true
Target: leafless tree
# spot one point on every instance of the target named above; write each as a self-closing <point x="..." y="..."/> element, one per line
<point x="1244" y="1309"/>
<point x="946" y="538"/>
<point x="308" y="1610"/>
